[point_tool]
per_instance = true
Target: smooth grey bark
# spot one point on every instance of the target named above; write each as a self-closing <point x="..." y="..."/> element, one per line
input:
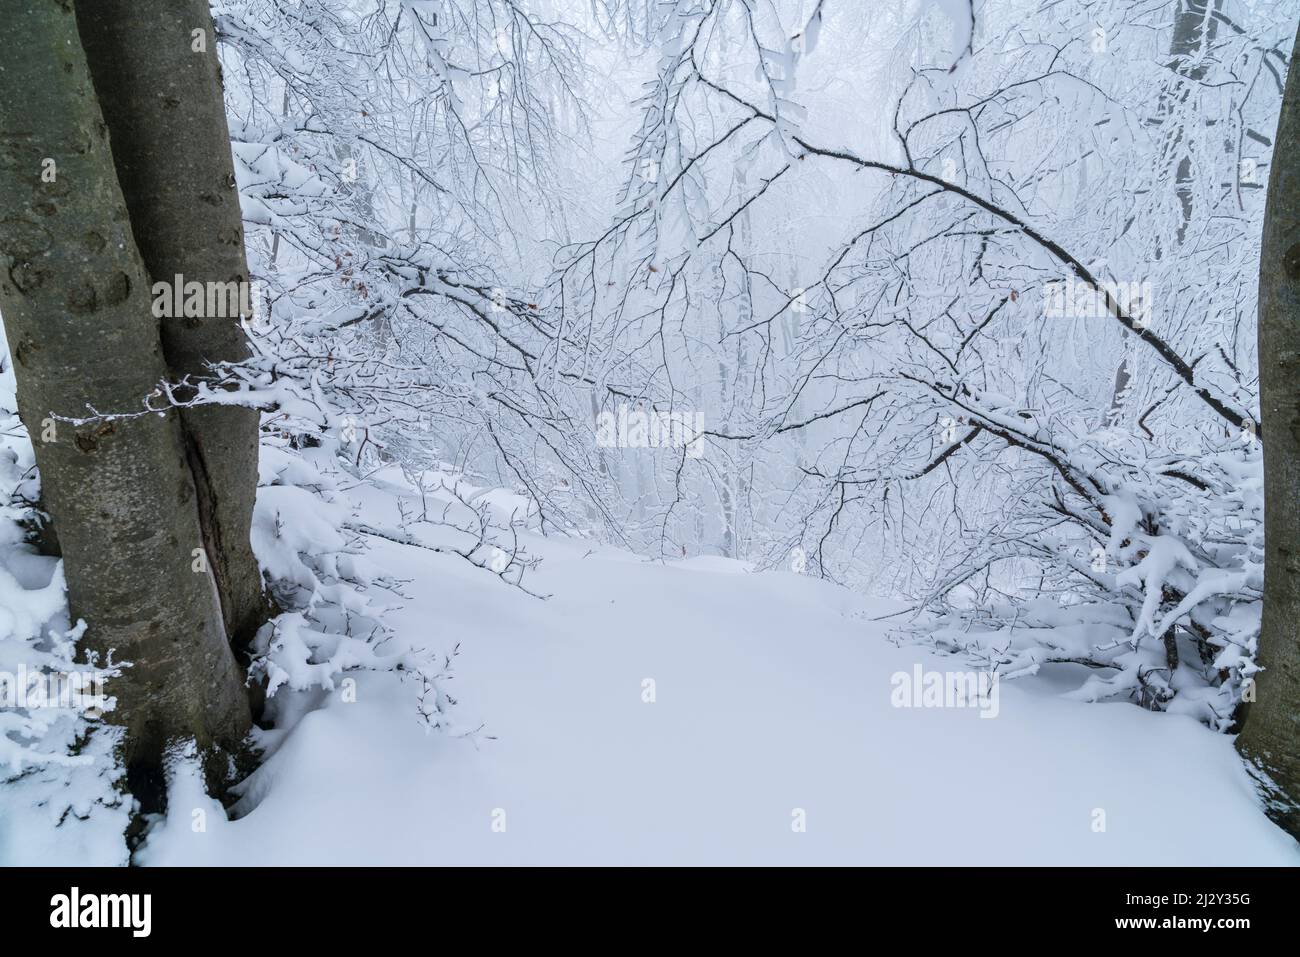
<point x="1270" y="741"/>
<point x="158" y="79"/>
<point x="76" y="303"/>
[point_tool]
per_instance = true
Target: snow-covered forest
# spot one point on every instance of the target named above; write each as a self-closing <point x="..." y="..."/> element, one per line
<point x="649" y="432"/>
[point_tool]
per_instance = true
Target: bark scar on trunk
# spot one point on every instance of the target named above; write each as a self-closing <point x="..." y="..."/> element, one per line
<point x="209" y="527"/>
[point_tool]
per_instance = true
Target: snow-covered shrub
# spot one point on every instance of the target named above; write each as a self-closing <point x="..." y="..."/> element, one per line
<point x="1161" y="600"/>
<point x="334" y="598"/>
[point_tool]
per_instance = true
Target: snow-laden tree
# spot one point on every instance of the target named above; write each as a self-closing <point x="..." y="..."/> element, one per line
<point x="396" y="163"/>
<point x="386" y="209"/>
<point x="1014" y="352"/>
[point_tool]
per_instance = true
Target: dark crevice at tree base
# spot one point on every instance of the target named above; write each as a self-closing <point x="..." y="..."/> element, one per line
<point x="41" y="533"/>
<point x="256" y="685"/>
<point x="1280" y="807"/>
<point x="1239" y="714"/>
<point x="146" y="781"/>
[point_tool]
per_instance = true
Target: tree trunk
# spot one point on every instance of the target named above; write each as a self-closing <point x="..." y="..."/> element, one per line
<point x="1271" y="739"/>
<point x="76" y="303"/>
<point x="1195" y="31"/>
<point x="158" y="79"/>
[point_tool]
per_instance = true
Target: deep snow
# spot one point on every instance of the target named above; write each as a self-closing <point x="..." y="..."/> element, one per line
<point x="772" y="694"/>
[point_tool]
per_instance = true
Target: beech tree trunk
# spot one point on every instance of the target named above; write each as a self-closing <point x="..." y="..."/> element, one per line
<point x="76" y="301"/>
<point x="1270" y="741"/>
<point x="158" y="79"/>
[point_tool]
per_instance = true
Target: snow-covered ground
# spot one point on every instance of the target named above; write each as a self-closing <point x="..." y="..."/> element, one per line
<point x="771" y="709"/>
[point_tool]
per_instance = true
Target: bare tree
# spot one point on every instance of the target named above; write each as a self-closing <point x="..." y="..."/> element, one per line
<point x="948" y="409"/>
<point x="1270" y="741"/>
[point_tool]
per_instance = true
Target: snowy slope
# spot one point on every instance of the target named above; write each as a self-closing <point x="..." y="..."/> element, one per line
<point x="772" y="693"/>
